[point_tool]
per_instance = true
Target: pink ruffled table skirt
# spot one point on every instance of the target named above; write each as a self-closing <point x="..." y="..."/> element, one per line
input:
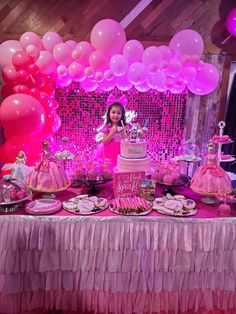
<point x="115" y="264"/>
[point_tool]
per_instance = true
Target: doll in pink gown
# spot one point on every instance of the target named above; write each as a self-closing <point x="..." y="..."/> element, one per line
<point x="48" y="174"/>
<point x="210" y="178"/>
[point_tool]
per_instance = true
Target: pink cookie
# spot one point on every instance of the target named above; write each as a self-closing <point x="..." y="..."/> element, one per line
<point x="189" y="204"/>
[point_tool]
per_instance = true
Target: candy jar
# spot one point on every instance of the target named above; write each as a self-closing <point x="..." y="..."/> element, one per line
<point x="107" y="171"/>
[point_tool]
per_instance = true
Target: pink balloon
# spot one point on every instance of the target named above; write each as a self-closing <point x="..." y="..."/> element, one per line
<point x="50" y="40"/>
<point x="32" y="51"/>
<point x="76" y="71"/>
<point x="137" y="73"/>
<point x="187" y="42"/>
<point x="52" y="123"/>
<point x="21" y="114"/>
<point x="21" y="60"/>
<point x="152" y="55"/>
<point x="188" y="74"/>
<point x="71" y="43"/>
<point x="64" y="81"/>
<point x="108" y="75"/>
<point x="99" y="76"/>
<point x="108" y="36"/>
<point x="107" y="86"/>
<point x="31" y="38"/>
<point x="205" y="81"/>
<point x="62" y="70"/>
<point x="82" y="51"/>
<point x="157" y="80"/>
<point x="167" y="53"/>
<point x="7" y="50"/>
<point x="174" y="68"/>
<point x="119" y="65"/>
<point x="133" y="51"/>
<point x="123" y="83"/>
<point x="231" y="22"/>
<point x="142" y="87"/>
<point x="46" y="62"/>
<point x="98" y="61"/>
<point x="10" y="75"/>
<point x="6" y="90"/>
<point x="62" y="54"/>
<point x="89" y="72"/>
<point x="89" y="85"/>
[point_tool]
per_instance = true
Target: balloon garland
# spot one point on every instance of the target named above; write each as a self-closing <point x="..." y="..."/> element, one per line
<point x="33" y="66"/>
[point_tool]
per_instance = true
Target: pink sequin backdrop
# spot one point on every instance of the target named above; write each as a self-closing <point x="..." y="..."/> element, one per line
<point x="81" y="114"/>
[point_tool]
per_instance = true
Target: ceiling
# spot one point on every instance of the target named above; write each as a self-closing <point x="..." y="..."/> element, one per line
<point x="155" y="24"/>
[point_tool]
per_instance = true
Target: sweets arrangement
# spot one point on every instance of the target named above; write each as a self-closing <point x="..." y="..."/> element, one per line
<point x="130" y="206"/>
<point x="85" y="205"/>
<point x="220" y="139"/>
<point x="176" y="205"/>
<point x="13" y="191"/>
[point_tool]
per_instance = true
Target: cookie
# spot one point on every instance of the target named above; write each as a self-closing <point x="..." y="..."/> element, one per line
<point x="179" y="197"/>
<point x="69" y="206"/>
<point x="174" y="205"/>
<point x="189" y="204"/>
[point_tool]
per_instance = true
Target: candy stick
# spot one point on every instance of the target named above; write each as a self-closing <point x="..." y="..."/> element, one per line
<point x="145" y="123"/>
<point x="123" y="126"/>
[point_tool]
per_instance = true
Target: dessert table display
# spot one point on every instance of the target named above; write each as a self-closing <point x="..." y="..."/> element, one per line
<point x="109" y="263"/>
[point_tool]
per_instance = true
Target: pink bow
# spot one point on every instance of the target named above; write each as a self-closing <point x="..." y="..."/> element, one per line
<point x="111" y="99"/>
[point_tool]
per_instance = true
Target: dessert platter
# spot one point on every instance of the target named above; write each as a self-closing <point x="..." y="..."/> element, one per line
<point x="13" y="193"/>
<point x="176" y="205"/>
<point x="43" y="207"/>
<point x="130" y="206"/>
<point x="85" y="205"/>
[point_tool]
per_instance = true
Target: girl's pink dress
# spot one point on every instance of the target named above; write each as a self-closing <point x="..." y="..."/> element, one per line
<point x="211" y="178"/>
<point x="48" y="174"/>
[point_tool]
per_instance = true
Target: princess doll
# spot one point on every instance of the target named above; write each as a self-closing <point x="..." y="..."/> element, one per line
<point x="210" y="178"/>
<point x="48" y="174"/>
<point x="19" y="169"/>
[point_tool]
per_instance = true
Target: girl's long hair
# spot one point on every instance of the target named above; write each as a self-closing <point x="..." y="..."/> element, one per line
<point x="118" y="105"/>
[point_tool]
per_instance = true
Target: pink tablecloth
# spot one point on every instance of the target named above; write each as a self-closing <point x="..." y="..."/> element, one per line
<point x="116" y="264"/>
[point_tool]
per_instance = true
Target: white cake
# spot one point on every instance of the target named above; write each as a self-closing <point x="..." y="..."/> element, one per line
<point x="133" y="156"/>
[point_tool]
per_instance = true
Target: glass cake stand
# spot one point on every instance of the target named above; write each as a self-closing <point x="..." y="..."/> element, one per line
<point x="169" y="187"/>
<point x="91" y="184"/>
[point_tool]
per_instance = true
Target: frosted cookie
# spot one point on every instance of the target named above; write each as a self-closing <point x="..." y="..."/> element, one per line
<point x="86" y="206"/>
<point x="179" y="197"/>
<point x="69" y="206"/>
<point x="174" y="205"/>
<point x="169" y="196"/>
<point x="163" y="209"/>
<point x="159" y="200"/>
<point x="93" y="198"/>
<point x="101" y="203"/>
<point x="189" y="204"/>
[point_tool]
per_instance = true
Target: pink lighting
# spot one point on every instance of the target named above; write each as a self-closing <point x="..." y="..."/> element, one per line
<point x="83" y="112"/>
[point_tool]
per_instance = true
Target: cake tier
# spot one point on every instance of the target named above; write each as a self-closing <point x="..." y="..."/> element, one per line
<point x="133" y="150"/>
<point x="126" y="164"/>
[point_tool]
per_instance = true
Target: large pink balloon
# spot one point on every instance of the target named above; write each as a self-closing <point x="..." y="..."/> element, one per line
<point x="133" y="51"/>
<point x="109" y="36"/>
<point x="31" y="38"/>
<point x="123" y="83"/>
<point x="205" y="81"/>
<point x="62" y="54"/>
<point x="76" y="71"/>
<point x="231" y="22"/>
<point x="187" y="42"/>
<point x="50" y="40"/>
<point x="21" y="60"/>
<point x="7" y="50"/>
<point x="20" y="114"/>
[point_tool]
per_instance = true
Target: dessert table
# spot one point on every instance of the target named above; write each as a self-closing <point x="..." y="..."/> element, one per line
<point x="107" y="263"/>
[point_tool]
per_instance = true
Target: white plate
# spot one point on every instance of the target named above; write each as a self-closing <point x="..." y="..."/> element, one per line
<point x="43" y="207"/>
<point x="157" y="207"/>
<point x="75" y="203"/>
<point x="132" y="213"/>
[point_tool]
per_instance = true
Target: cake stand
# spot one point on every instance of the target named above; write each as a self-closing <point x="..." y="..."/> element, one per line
<point x="182" y="181"/>
<point x="8" y="207"/>
<point x="91" y="184"/>
<point x="188" y="162"/>
<point x="49" y="193"/>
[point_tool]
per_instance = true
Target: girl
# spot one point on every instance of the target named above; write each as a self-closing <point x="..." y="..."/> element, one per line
<point x="113" y="130"/>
